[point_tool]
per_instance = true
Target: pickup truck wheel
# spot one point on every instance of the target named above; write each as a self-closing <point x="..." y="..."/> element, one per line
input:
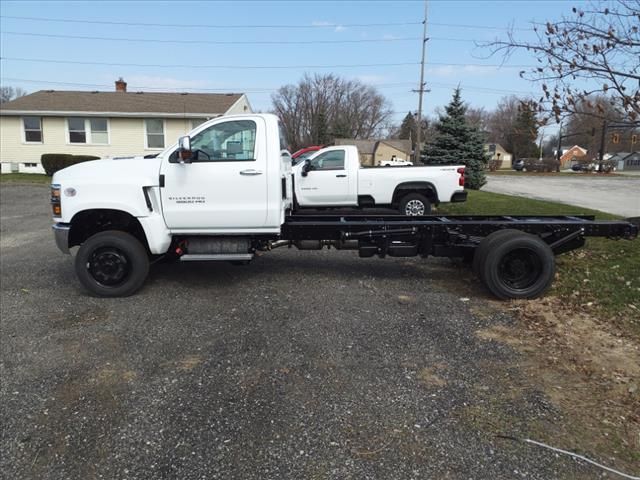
<point x="112" y="264"/>
<point x="521" y="265"/>
<point x="415" y="205"/>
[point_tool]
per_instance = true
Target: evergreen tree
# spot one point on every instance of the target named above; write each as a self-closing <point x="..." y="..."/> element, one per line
<point x="456" y="142"/>
<point x="525" y="132"/>
<point x="408" y="128"/>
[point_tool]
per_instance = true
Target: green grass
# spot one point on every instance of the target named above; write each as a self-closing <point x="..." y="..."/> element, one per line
<point x="25" y="178"/>
<point x="602" y="278"/>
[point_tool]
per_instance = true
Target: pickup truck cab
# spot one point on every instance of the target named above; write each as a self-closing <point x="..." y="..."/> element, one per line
<point x="333" y="177"/>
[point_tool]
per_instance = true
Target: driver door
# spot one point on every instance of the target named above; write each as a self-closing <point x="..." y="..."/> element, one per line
<point x="225" y="186"/>
<point x="326" y="182"/>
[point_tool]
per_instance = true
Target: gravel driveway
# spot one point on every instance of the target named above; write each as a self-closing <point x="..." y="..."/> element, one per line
<point x="614" y="194"/>
<point x="300" y="365"/>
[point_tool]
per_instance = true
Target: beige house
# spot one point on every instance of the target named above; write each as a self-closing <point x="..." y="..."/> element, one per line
<point x="372" y="152"/>
<point x="104" y="124"/>
<point x="499" y="157"/>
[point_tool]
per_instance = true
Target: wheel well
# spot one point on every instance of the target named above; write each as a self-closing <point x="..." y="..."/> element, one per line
<point x="89" y="222"/>
<point x="423" y="188"/>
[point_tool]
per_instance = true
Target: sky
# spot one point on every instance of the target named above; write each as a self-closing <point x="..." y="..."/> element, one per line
<point x="251" y="47"/>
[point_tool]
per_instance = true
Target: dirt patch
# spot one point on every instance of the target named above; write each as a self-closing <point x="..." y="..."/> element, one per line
<point x="588" y="369"/>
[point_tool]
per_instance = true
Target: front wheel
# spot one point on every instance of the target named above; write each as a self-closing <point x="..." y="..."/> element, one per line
<point x="112" y="264"/>
<point x="415" y="205"/>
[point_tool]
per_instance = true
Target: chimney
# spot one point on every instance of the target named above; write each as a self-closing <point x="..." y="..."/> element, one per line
<point x="121" y="85"/>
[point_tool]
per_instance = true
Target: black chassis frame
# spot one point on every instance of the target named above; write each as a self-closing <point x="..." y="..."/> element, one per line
<point x="447" y="236"/>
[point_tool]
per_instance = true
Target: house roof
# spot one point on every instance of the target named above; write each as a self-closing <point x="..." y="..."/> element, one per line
<point x="402" y="145"/>
<point x="364" y="146"/>
<point x="619" y="156"/>
<point x="50" y="102"/>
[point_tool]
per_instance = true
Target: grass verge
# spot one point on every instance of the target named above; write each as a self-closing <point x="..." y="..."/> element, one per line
<point x="31" y="178"/>
<point x="603" y="278"/>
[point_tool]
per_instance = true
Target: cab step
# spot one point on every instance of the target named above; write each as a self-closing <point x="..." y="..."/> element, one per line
<point x="216" y="257"/>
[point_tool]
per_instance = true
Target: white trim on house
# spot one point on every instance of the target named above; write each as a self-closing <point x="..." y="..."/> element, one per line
<point x="146" y="138"/>
<point x="55" y="113"/>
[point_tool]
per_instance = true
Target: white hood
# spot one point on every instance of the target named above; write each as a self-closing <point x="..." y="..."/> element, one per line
<point x="123" y="170"/>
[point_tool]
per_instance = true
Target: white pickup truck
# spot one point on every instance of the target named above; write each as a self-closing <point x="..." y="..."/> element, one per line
<point x="225" y="192"/>
<point x="333" y="177"/>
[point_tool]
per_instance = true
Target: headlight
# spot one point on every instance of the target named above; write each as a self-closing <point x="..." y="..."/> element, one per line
<point x="55" y="200"/>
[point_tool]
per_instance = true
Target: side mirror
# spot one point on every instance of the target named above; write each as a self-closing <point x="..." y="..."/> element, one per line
<point x="306" y="168"/>
<point x="184" y="149"/>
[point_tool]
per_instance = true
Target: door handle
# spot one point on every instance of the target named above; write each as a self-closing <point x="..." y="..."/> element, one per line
<point x="250" y="172"/>
<point x="340" y="176"/>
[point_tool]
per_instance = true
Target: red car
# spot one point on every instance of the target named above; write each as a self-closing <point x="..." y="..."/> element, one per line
<point x="304" y="153"/>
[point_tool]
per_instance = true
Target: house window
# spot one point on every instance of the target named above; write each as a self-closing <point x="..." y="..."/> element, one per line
<point x="77" y="133"/>
<point x="32" y="129"/>
<point x="99" y="130"/>
<point x="154" y="133"/>
<point x="88" y="130"/>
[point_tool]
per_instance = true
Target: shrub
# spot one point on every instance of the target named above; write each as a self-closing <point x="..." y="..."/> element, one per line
<point x="52" y="162"/>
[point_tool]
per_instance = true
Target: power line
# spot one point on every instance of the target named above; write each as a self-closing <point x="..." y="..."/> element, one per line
<point x="236" y="42"/>
<point x="316" y="25"/>
<point x="220" y="42"/>
<point x="243" y="67"/>
<point x="238" y="67"/>
<point x="173" y="25"/>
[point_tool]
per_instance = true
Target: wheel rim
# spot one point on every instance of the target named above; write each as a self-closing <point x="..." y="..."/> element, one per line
<point x="109" y="266"/>
<point x="414" y="208"/>
<point x="519" y="269"/>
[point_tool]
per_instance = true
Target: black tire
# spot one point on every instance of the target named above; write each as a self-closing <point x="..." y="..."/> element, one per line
<point x="485" y="247"/>
<point x="112" y="264"/>
<point x="520" y="265"/>
<point x="416" y="203"/>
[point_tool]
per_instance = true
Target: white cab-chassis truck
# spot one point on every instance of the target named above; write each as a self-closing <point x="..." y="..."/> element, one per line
<point x="226" y="191"/>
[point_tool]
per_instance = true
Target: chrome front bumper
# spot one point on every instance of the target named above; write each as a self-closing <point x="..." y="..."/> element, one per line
<point x="61" y="234"/>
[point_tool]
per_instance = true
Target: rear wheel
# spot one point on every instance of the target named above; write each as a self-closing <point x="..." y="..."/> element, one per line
<point x="112" y="264"/>
<point x="485" y="247"/>
<point x="520" y="265"/>
<point x="415" y="205"/>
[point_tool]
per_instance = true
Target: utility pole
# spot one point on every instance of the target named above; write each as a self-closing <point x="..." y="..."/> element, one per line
<point x="421" y="88"/>
<point x="559" y="149"/>
<point x="602" y="145"/>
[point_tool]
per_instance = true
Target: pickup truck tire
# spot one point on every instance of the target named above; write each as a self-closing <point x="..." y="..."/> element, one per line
<point x="519" y="265"/>
<point x="415" y="205"/>
<point x="112" y="264"/>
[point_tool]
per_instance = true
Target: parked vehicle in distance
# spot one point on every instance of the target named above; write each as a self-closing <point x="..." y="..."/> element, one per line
<point x="304" y="153"/>
<point x="578" y="167"/>
<point x="395" y="162"/>
<point x="333" y="177"/>
<point x="518" y="165"/>
<point x="536" y="165"/>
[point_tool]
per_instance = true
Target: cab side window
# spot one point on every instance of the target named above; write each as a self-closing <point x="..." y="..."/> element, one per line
<point x="331" y="160"/>
<point x="233" y="141"/>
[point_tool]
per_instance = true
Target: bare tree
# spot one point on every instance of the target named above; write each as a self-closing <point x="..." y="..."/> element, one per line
<point x="596" y="50"/>
<point x="322" y="107"/>
<point x="9" y="93"/>
<point x="501" y="122"/>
